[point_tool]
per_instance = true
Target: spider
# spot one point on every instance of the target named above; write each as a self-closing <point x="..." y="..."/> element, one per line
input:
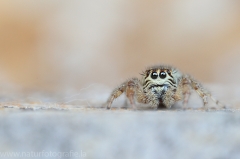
<point x="160" y="86"/>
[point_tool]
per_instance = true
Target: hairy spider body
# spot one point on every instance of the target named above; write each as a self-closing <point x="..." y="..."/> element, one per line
<point x="160" y="85"/>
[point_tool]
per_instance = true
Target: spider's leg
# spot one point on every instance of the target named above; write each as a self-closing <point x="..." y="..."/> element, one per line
<point x="185" y="90"/>
<point x="131" y="87"/>
<point x="186" y="95"/>
<point x="197" y="86"/>
<point x="128" y="87"/>
<point x="203" y="93"/>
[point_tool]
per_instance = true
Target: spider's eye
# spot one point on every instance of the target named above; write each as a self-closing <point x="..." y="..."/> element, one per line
<point x="162" y="75"/>
<point x="154" y="75"/>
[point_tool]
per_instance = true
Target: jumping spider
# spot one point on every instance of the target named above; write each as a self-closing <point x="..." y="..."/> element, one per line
<point x="160" y="85"/>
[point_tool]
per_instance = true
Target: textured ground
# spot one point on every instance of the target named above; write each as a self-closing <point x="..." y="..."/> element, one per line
<point x="51" y="128"/>
<point x="122" y="134"/>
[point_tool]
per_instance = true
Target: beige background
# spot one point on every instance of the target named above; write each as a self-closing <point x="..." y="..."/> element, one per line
<point x="54" y="45"/>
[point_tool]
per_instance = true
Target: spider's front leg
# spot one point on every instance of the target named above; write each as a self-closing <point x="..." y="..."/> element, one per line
<point x="129" y="87"/>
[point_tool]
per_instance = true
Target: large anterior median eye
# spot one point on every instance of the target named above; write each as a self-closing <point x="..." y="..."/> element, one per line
<point x="154" y="75"/>
<point x="162" y="75"/>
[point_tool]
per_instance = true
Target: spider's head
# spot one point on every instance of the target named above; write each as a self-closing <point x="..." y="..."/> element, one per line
<point x="159" y="79"/>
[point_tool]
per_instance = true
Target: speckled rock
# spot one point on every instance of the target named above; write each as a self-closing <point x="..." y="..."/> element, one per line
<point x="120" y="134"/>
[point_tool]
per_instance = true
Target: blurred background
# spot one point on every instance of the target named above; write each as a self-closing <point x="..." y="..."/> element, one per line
<point x="53" y="45"/>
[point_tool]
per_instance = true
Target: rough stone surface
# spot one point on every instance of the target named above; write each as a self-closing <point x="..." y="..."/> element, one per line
<point x="121" y="134"/>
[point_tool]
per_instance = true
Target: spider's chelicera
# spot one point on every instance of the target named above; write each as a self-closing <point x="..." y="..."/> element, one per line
<point x="160" y="85"/>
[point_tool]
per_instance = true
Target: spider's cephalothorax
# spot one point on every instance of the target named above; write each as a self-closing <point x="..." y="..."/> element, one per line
<point x="160" y="86"/>
<point x="159" y="80"/>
